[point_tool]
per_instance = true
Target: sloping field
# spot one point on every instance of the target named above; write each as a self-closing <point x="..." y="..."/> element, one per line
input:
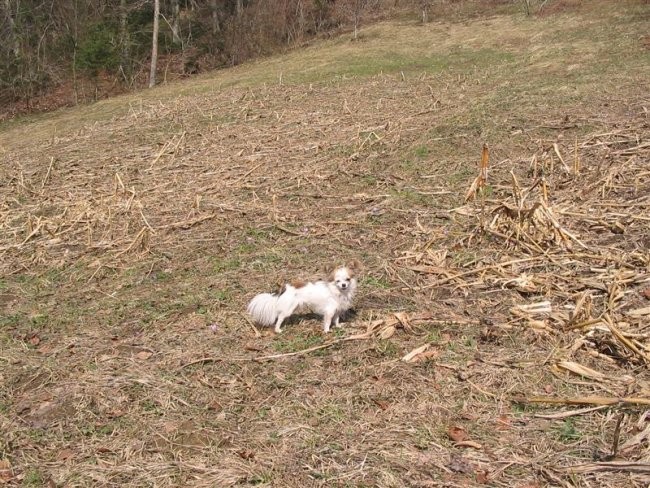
<point x="134" y="231"/>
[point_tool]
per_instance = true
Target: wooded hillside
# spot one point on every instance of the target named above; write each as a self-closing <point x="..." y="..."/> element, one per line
<point x="63" y="52"/>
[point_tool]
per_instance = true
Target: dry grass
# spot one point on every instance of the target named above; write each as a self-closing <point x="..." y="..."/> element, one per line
<point x="133" y="231"/>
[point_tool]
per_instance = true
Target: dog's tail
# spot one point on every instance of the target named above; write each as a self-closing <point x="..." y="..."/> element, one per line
<point x="264" y="309"/>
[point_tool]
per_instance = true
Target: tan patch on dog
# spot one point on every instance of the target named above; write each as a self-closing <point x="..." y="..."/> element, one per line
<point x="352" y="267"/>
<point x="298" y="283"/>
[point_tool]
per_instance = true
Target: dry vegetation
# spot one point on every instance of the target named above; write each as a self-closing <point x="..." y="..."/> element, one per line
<point x="501" y="334"/>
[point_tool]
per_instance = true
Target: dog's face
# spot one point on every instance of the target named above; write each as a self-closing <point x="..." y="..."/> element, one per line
<point x="343" y="277"/>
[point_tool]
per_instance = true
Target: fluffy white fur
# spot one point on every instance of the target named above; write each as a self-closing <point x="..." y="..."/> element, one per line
<point x="329" y="298"/>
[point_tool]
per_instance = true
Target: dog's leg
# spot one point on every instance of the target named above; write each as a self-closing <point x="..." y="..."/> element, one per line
<point x="327" y="321"/>
<point x="278" y="324"/>
<point x="282" y="315"/>
<point x="337" y="317"/>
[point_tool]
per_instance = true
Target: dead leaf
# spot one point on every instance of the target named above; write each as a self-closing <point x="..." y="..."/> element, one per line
<point x="403" y="320"/>
<point x="646" y="293"/>
<point x="639" y="312"/>
<point x="482" y="477"/>
<point x="473" y="444"/>
<point x="387" y="332"/>
<point x="34" y="340"/>
<point x="45" y="349"/>
<point x="381" y="404"/>
<point x="215" y="406"/>
<point x="65" y="454"/>
<point x="6" y="473"/>
<point x="373" y="326"/>
<point x="426" y="355"/>
<point x="457" y="434"/>
<point x="637" y="440"/>
<point x="246" y="454"/>
<point x="503" y="423"/>
<point x="143" y="355"/>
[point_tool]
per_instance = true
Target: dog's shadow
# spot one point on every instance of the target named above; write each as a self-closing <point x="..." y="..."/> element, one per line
<point x="347" y="316"/>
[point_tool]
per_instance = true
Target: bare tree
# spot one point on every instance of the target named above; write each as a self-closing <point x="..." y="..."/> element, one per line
<point x="13" y="36"/>
<point x="424" y="7"/>
<point x="124" y="40"/>
<point x="355" y="10"/>
<point x="176" y="22"/>
<point x="216" y="26"/>
<point x="154" y="43"/>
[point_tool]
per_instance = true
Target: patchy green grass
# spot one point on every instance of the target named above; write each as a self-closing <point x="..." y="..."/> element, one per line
<point x="375" y="282"/>
<point x="296" y="341"/>
<point x="567" y="431"/>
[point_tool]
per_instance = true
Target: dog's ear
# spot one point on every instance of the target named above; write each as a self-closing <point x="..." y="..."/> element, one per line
<point x="329" y="271"/>
<point x="354" y="266"/>
<point x="280" y="287"/>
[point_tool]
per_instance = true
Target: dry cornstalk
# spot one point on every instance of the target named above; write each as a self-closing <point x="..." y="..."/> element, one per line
<point x="481" y="180"/>
<point x="188" y="223"/>
<point x="587" y="400"/>
<point x="539" y="308"/>
<point x="622" y="466"/>
<point x="119" y="183"/>
<point x="569" y="413"/>
<point x="628" y="344"/>
<point x="557" y="152"/>
<point x="480" y="270"/>
<point x="415" y="353"/>
<point x="581" y="370"/>
<point x="47" y="175"/>
<point x="141" y="237"/>
<point x="576" y="159"/>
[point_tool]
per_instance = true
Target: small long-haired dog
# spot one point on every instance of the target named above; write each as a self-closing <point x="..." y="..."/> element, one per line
<point x="329" y="298"/>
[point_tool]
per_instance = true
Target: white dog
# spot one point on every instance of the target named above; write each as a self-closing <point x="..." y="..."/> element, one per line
<point x="329" y="298"/>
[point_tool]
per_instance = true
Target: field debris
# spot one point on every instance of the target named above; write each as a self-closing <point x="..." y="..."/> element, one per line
<point x="500" y="336"/>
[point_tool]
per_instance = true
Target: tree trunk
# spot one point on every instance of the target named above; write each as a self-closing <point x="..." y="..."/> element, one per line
<point x="125" y="62"/>
<point x="154" y="43"/>
<point x="75" y="88"/>
<point x="176" y="22"/>
<point x="216" y="27"/>
<point x="75" y="41"/>
<point x="13" y="37"/>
